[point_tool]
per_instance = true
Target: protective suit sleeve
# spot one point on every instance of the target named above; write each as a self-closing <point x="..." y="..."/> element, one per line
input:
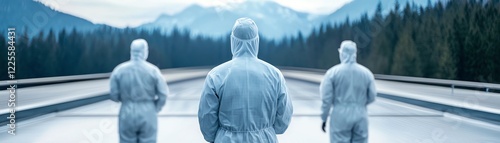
<point x="114" y="92"/>
<point x="372" y="91"/>
<point x="161" y="91"/>
<point x="284" y="110"/>
<point x="327" y="94"/>
<point x="208" y="111"/>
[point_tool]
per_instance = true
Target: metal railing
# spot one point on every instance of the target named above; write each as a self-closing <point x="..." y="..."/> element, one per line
<point x="487" y="87"/>
<point x="58" y="79"/>
<point x="59" y="105"/>
<point x="72" y="78"/>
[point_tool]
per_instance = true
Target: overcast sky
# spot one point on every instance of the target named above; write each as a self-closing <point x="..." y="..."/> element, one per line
<point x="122" y="13"/>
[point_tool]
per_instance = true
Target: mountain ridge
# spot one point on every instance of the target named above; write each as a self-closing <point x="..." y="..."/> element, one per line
<point x="273" y="19"/>
<point x="37" y="17"/>
<point x="218" y="21"/>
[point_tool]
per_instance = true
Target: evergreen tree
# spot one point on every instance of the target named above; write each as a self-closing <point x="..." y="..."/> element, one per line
<point x="406" y="58"/>
<point x="452" y="40"/>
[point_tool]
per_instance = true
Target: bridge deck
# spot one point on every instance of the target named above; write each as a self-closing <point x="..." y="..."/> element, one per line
<point x="390" y="121"/>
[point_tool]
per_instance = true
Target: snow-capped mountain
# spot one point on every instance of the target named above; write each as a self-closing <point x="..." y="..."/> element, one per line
<point x="37" y="17"/>
<point x="272" y="19"/>
<point x="356" y="8"/>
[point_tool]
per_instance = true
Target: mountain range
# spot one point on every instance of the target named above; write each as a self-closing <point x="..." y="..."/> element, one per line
<point x="35" y="17"/>
<point x="273" y="19"/>
<point x="356" y="8"/>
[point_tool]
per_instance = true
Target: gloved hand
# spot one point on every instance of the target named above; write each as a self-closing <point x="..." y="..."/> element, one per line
<point x="158" y="109"/>
<point x="323" y="127"/>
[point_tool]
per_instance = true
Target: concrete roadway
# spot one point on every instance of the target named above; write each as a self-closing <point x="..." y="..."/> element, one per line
<point x="389" y="122"/>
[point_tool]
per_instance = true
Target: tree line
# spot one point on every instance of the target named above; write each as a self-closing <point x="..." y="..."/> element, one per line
<point x="457" y="39"/>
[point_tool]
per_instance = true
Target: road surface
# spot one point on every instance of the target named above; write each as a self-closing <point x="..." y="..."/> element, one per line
<point x="389" y="122"/>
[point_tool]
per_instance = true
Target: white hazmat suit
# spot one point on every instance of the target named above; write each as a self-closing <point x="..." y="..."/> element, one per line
<point x="348" y="87"/>
<point x="244" y="100"/>
<point x="142" y="90"/>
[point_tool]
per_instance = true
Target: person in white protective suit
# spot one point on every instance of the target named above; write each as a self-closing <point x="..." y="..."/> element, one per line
<point x="347" y="88"/>
<point x="244" y="100"/>
<point x="142" y="91"/>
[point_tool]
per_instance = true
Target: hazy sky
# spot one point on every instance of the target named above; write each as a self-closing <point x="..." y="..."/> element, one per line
<point x="122" y="13"/>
